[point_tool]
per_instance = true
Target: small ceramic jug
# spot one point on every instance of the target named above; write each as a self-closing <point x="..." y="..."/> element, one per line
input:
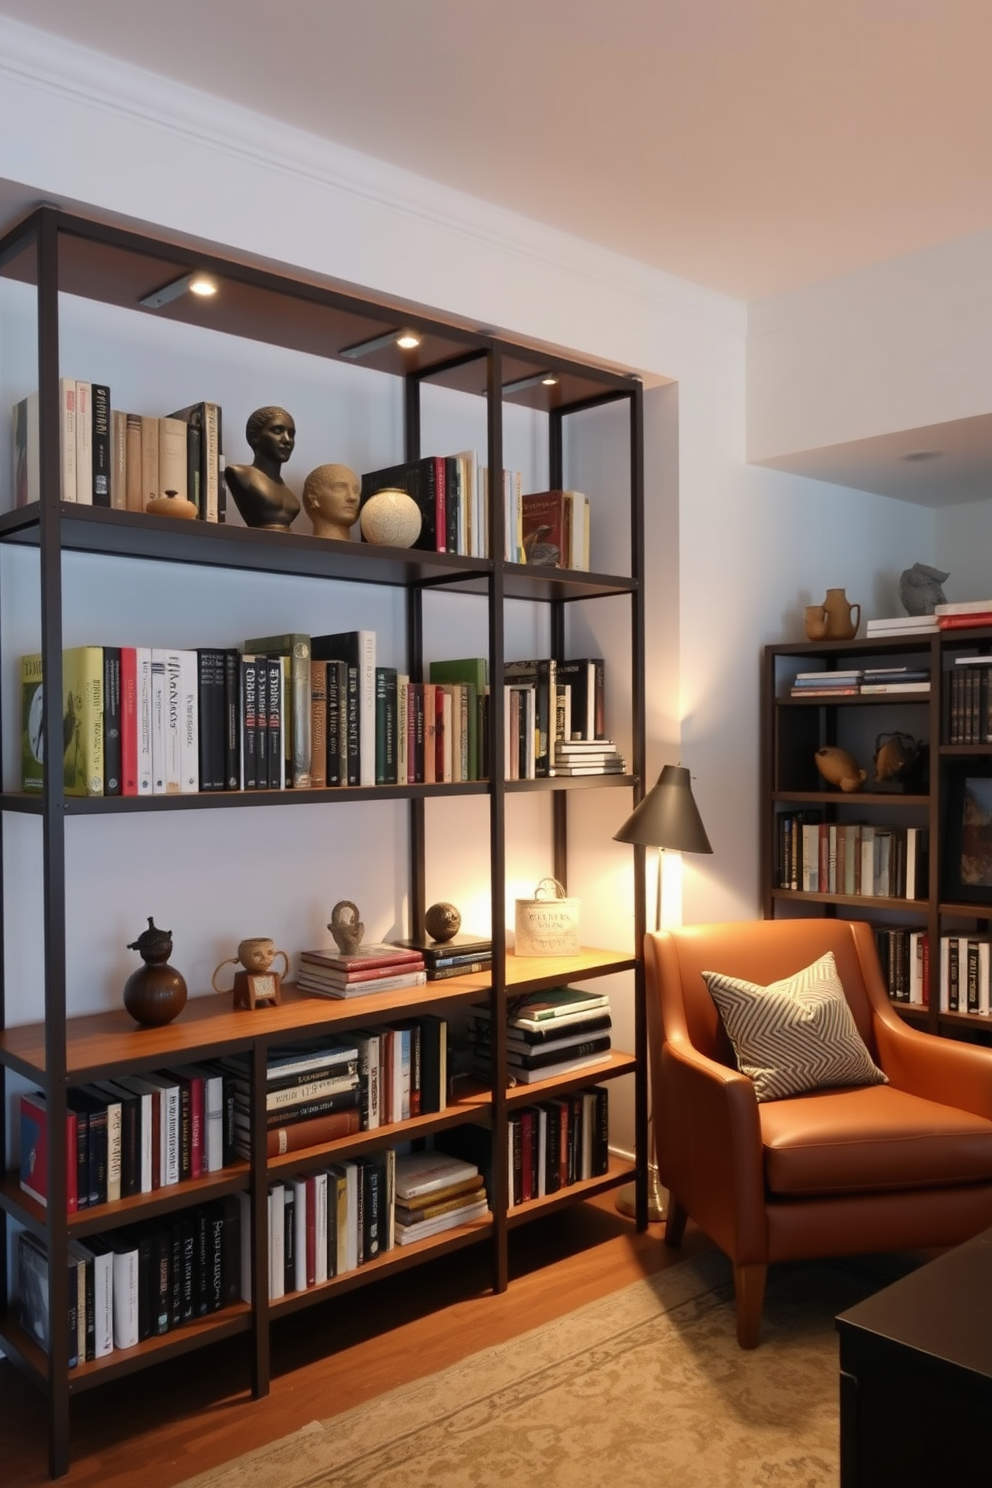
<point x="842" y="625"/>
<point x="816" y="622"/>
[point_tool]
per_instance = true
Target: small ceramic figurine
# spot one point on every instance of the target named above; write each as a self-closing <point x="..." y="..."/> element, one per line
<point x="332" y="495"/>
<point x="260" y="493"/>
<point x="839" y="768"/>
<point x="442" y="922"/>
<point x="257" y="982"/>
<point x="346" y="927"/>
<point x="901" y="759"/>
<point x="920" y="588"/>
<point x="156" y="992"/>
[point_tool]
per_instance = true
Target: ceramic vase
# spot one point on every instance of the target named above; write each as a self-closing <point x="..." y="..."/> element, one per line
<point x="842" y="623"/>
<point x="156" y="992"/>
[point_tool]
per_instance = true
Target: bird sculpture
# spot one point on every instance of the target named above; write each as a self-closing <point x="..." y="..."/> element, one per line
<point x="919" y="589"/>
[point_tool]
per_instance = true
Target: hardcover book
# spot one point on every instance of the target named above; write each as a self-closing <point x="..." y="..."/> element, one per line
<point x="357" y="649"/>
<point x="82" y="721"/>
<point x="296" y="646"/>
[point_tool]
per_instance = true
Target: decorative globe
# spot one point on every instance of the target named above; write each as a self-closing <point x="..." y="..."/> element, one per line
<point x="391" y="519"/>
<point x="442" y="921"/>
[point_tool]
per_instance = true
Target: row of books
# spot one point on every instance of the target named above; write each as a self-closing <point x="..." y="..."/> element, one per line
<point x="329" y="1222"/>
<point x="904" y="956"/>
<point x="967" y="702"/>
<point x="557" y="1143"/>
<point x="548" y="1034"/>
<point x="965" y="974"/>
<point x="330" y="1088"/>
<point x="140" y="1282"/>
<point x="122" y="460"/>
<point x="860" y="681"/>
<point x="851" y="858"/>
<point x="132" y="1135"/>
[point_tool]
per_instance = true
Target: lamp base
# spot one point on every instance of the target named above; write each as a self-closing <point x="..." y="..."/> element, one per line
<point x="626" y="1200"/>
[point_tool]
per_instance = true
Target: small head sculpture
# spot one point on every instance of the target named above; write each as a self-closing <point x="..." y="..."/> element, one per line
<point x="331" y="497"/>
<point x="346" y="926"/>
<point x="920" y="588"/>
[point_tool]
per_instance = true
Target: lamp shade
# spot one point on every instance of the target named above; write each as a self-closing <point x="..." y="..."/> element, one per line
<point x="667" y="817"/>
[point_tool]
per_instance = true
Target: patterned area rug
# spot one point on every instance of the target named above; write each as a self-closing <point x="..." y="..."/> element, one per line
<point x="644" y="1386"/>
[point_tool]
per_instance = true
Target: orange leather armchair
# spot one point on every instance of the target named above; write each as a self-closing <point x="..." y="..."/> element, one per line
<point x="847" y="1171"/>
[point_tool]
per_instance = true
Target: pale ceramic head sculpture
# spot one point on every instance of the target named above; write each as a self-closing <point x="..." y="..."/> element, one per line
<point x="331" y="497"/>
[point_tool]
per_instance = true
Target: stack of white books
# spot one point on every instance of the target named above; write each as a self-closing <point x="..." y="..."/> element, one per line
<point x="902" y="625"/>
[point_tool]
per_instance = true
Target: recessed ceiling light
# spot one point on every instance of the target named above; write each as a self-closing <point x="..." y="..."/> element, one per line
<point x="924" y="454"/>
<point x="202" y="285"/>
<point x="547" y="378"/>
<point x="408" y="340"/>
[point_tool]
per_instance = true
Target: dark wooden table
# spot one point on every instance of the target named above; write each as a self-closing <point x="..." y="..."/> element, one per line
<point x="916" y="1377"/>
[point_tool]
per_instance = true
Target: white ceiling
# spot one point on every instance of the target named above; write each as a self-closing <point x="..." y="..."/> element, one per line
<point x="750" y="146"/>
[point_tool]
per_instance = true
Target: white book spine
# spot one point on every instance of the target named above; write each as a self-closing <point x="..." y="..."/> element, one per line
<point x="213" y="1106"/>
<point x="170" y="1135"/>
<point x="320" y="1227"/>
<point x="158" y="724"/>
<point x="125" y="1298"/>
<point x="173" y="723"/>
<point x="189" y="722"/>
<point x="67" y="437"/>
<point x="103" y="1302"/>
<point x="84" y="443"/>
<point x="113" y="1152"/>
<point x="146" y="764"/>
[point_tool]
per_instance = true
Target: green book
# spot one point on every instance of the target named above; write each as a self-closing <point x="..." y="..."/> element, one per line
<point x="473" y="672"/>
<point x="296" y="648"/>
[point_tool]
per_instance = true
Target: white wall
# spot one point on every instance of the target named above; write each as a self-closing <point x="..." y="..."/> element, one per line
<point x="898" y="345"/>
<point x="733" y="552"/>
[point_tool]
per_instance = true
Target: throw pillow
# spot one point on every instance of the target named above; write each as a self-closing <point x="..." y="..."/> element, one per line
<point x="794" y="1035"/>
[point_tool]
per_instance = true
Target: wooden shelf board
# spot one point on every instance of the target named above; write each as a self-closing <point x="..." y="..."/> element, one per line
<point x="15" y="1201"/>
<point x="227" y="1323"/>
<point x="855" y="798"/>
<point x="916" y="906"/>
<point x="397" y="1259"/>
<point x="466" y="1110"/>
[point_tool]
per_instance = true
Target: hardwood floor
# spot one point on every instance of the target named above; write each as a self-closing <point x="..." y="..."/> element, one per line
<point x="164" y="1424"/>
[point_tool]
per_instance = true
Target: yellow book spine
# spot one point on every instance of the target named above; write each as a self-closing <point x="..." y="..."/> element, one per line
<point x="82" y="720"/>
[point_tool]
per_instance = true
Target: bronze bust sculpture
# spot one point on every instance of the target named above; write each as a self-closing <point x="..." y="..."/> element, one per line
<point x="331" y="497"/>
<point x="260" y="493"/>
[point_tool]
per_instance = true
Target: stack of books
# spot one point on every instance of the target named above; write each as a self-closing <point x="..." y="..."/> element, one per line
<point x="435" y="1192"/>
<point x="312" y="1095"/>
<point x="895" y="679"/>
<point x="898" y="625"/>
<point x="586" y="757"/>
<point x="827" y="684"/>
<point x="964" y="613"/>
<point x="377" y="967"/>
<point x="548" y="1034"/>
<point x="462" y="954"/>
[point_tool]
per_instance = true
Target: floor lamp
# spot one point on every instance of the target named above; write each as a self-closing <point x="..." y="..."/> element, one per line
<point x="668" y="817"/>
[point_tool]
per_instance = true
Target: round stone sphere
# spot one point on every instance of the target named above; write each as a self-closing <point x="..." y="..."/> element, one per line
<point x="391" y="519"/>
<point x="442" y="921"/>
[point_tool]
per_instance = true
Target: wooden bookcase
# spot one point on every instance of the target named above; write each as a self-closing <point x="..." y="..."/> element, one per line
<point x="793" y="728"/>
<point x="61" y="254"/>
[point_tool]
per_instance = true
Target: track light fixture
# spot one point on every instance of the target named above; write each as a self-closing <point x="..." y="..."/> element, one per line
<point x="194" y="283"/>
<point x="406" y="339"/>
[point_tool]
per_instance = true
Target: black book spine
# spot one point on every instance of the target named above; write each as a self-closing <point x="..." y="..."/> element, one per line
<point x="289" y="1239"/>
<point x="215" y="1276"/>
<point x="232" y="719"/>
<point x="452" y="497"/>
<point x="100" y="407"/>
<point x="335" y="775"/>
<point x="113" y="763"/>
<point x="262" y="723"/>
<point x="144" y="1285"/>
<point x="203" y="1259"/>
<point x="552" y="1172"/>
<point x="194" y="474"/>
<point x="249" y="724"/>
<point x="98" y="1156"/>
<point x="353" y="727"/>
<point x="210" y="696"/>
<point x="161" y="1281"/>
<point x="373" y="1183"/>
<point x="230" y="1248"/>
<point x="82" y="1159"/>
<point x="130" y="1145"/>
<point x="188" y="1281"/>
<point x="276" y="708"/>
<point x="175" y="1273"/>
<point x="322" y="1105"/>
<point x="90" y="1309"/>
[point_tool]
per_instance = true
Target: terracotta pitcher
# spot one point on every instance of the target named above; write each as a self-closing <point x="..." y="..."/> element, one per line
<point x="842" y="623"/>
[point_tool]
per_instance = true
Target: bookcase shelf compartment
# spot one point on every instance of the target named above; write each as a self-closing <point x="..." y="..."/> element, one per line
<point x="65" y="257"/>
<point x="618" y="1174"/>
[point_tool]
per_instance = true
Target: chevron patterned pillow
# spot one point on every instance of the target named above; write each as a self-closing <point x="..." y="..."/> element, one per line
<point x="794" y="1035"/>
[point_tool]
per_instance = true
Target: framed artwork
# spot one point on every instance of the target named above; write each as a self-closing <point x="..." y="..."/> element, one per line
<point x="967" y="865"/>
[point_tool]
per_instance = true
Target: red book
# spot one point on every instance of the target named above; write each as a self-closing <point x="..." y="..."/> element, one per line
<point x="313" y="1131"/>
<point x="34" y="1150"/>
<point x="375" y="954"/>
<point x="545" y="529"/>
<point x="362" y="974"/>
<point x="129" y="721"/>
<point x="195" y="1079"/>
<point x="964" y="622"/>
